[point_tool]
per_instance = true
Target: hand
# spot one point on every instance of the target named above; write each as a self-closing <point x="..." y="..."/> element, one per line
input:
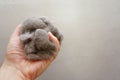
<point x="27" y="69"/>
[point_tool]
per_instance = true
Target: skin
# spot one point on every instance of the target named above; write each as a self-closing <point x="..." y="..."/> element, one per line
<point x="17" y="67"/>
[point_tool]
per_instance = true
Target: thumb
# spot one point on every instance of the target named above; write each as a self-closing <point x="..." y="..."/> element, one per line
<point x="54" y="40"/>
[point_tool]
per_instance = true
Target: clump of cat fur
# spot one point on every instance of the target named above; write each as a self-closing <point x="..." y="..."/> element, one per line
<point x="35" y="40"/>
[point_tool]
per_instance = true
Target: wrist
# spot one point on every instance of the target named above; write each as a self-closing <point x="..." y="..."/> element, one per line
<point x="8" y="72"/>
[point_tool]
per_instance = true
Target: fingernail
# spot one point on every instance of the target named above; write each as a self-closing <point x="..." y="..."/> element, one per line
<point x="49" y="33"/>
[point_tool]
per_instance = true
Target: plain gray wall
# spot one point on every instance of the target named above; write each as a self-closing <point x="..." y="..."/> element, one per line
<point x="91" y="29"/>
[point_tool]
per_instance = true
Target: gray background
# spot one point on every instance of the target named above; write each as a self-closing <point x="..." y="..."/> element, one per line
<point x="91" y="29"/>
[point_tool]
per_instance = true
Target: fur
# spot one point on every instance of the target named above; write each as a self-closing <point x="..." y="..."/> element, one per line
<point x="35" y="40"/>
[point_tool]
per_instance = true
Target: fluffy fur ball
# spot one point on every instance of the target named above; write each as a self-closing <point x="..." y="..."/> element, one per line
<point x="34" y="36"/>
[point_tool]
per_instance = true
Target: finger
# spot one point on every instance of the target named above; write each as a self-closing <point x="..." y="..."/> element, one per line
<point x="54" y="40"/>
<point x="17" y="31"/>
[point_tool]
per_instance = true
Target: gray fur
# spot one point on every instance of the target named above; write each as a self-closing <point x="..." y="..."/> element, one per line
<point x="34" y="36"/>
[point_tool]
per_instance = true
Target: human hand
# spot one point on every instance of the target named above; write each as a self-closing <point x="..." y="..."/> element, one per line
<point x="15" y="57"/>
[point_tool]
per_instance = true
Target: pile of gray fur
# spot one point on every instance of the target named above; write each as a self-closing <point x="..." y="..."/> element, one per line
<point x="34" y="36"/>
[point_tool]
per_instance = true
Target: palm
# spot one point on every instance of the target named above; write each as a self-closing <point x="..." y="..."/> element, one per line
<point x="16" y="55"/>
